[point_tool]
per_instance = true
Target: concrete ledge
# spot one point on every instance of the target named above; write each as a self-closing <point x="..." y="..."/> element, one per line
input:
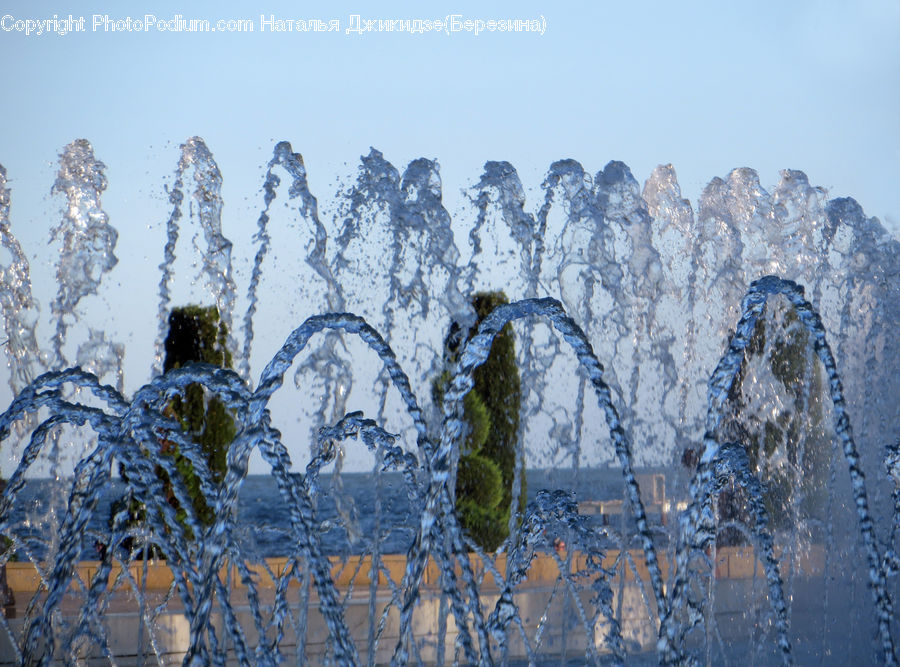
<point x="730" y="563"/>
<point x="742" y="563"/>
<point x="738" y="590"/>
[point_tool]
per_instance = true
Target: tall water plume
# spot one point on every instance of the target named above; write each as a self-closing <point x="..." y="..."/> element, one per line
<point x="624" y="302"/>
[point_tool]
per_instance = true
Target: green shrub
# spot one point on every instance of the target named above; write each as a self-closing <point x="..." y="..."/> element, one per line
<point x="196" y="334"/>
<point x="487" y="463"/>
<point x="787" y="439"/>
<point x="5" y="542"/>
<point x="475" y="415"/>
<point x="479" y="479"/>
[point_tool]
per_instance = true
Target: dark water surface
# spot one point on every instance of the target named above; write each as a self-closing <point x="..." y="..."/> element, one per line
<point x="264" y="517"/>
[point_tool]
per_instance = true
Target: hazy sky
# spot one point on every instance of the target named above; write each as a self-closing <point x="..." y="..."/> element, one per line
<point x="705" y="86"/>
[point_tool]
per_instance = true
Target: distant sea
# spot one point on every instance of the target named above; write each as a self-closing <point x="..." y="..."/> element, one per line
<point x="264" y="517"/>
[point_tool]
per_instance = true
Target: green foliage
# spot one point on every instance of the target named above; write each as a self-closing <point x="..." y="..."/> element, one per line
<point x="479" y="479"/>
<point x="788" y="358"/>
<point x="788" y="442"/>
<point x="5" y="542"/>
<point x="487" y="462"/>
<point x="475" y="414"/>
<point x="488" y="527"/>
<point x="196" y="334"/>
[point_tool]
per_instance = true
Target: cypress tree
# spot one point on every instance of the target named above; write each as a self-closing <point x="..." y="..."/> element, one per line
<point x="484" y="478"/>
<point x="196" y="334"/>
<point x="786" y="436"/>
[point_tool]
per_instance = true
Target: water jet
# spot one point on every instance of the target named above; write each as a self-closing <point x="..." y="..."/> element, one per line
<point x="642" y="330"/>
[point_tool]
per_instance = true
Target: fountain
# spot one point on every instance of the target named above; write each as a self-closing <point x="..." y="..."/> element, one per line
<point x="776" y="539"/>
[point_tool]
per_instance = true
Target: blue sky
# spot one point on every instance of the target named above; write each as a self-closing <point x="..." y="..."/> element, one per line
<point x="704" y="86"/>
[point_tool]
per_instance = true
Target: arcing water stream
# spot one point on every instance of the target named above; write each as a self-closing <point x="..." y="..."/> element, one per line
<point x="623" y="302"/>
